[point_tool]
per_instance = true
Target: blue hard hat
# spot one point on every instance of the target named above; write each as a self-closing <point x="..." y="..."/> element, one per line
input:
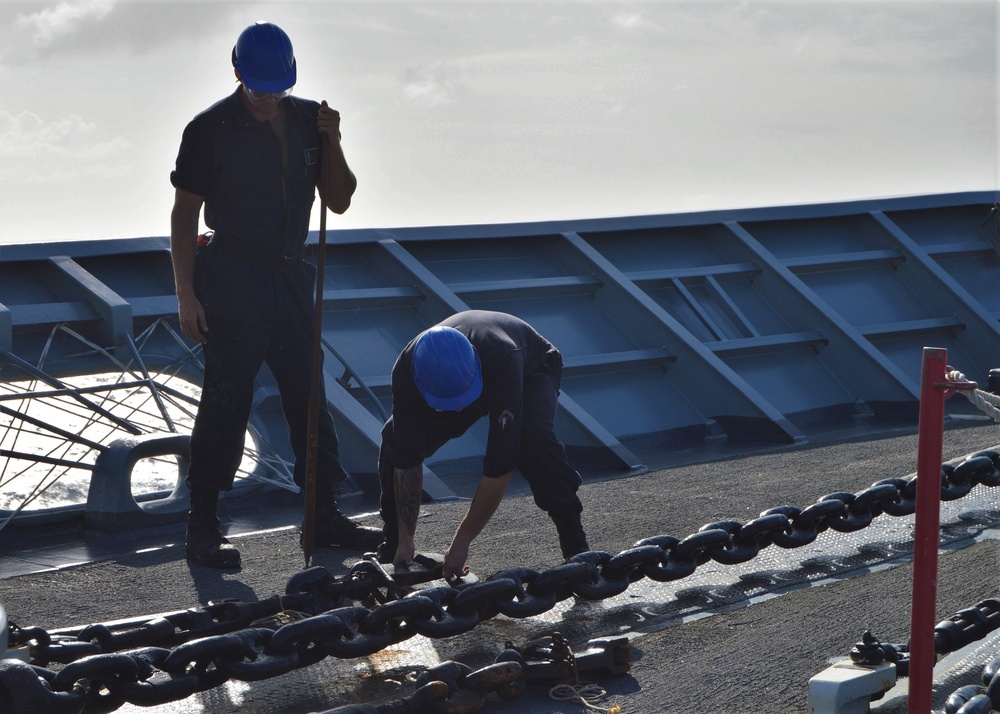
<point x="263" y="56"/>
<point x="446" y="369"/>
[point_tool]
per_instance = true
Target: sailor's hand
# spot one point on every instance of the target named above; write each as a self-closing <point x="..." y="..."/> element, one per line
<point x="404" y="554"/>
<point x="952" y="375"/>
<point x="329" y="121"/>
<point x="192" y="318"/>
<point x="454" y="560"/>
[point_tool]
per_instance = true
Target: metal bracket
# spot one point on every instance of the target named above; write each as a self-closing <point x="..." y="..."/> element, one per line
<point x="848" y="688"/>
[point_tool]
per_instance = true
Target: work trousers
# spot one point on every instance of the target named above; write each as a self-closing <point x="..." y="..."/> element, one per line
<point x="256" y="315"/>
<point x="543" y="463"/>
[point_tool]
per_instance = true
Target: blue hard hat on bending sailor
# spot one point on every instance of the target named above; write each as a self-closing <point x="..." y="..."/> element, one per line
<point x="446" y="369"/>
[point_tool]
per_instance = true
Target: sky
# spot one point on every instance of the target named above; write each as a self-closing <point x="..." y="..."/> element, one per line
<point x="468" y="112"/>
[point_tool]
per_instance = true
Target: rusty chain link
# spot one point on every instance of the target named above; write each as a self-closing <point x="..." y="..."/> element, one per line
<point x="106" y="667"/>
<point x="450" y="688"/>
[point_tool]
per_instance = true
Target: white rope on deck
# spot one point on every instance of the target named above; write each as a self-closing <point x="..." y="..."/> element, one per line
<point x="986" y="402"/>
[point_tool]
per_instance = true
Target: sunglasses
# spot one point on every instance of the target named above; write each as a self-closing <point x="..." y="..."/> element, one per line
<point x="261" y="96"/>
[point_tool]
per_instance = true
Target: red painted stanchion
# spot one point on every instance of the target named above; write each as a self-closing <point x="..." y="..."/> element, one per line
<point x="928" y="524"/>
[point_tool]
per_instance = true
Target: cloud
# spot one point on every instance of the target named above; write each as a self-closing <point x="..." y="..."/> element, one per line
<point x="63" y="19"/>
<point x="431" y="85"/>
<point x="91" y="30"/>
<point x="32" y="150"/>
<point x="634" y="21"/>
<point x="426" y="91"/>
<point x="628" y="20"/>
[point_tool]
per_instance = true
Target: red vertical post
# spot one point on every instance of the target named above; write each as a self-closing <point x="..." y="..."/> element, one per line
<point x="930" y="434"/>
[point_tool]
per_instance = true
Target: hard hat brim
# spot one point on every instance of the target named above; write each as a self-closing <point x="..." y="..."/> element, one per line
<point x="270" y="86"/>
<point x="460" y="401"/>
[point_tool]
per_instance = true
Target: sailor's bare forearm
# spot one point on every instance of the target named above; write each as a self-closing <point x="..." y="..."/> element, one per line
<point x="409" y="488"/>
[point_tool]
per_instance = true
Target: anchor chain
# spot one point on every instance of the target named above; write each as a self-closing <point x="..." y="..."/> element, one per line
<point x="960" y="630"/>
<point x="984" y="698"/>
<point x="105" y="666"/>
<point x="454" y="688"/>
<point x="977" y="698"/>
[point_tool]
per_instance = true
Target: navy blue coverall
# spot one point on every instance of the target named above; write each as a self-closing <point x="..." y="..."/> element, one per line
<point x="252" y="281"/>
<point x="522" y="372"/>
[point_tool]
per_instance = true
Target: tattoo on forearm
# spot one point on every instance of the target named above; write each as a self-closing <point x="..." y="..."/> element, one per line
<point x="408" y="492"/>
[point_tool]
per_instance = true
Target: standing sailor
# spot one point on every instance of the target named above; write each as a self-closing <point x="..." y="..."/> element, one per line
<point x="254" y="161"/>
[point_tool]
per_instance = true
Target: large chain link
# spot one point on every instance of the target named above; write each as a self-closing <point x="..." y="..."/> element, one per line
<point x="960" y="630"/>
<point x="220" y="641"/>
<point x="450" y="688"/>
<point x="977" y="699"/>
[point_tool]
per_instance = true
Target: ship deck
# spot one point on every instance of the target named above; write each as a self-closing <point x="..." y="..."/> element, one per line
<point x="741" y="638"/>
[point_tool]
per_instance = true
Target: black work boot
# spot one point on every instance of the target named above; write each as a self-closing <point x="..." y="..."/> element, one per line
<point x="334" y="529"/>
<point x="204" y="542"/>
<point x="386" y="550"/>
<point x="572" y="539"/>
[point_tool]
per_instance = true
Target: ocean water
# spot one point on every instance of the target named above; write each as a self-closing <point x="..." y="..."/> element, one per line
<point x="49" y="440"/>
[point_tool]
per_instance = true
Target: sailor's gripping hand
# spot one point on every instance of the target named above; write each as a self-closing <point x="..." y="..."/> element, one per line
<point x="329" y="121"/>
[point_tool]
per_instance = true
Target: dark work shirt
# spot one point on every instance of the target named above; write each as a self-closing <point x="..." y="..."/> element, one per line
<point x="508" y="348"/>
<point x="236" y="164"/>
